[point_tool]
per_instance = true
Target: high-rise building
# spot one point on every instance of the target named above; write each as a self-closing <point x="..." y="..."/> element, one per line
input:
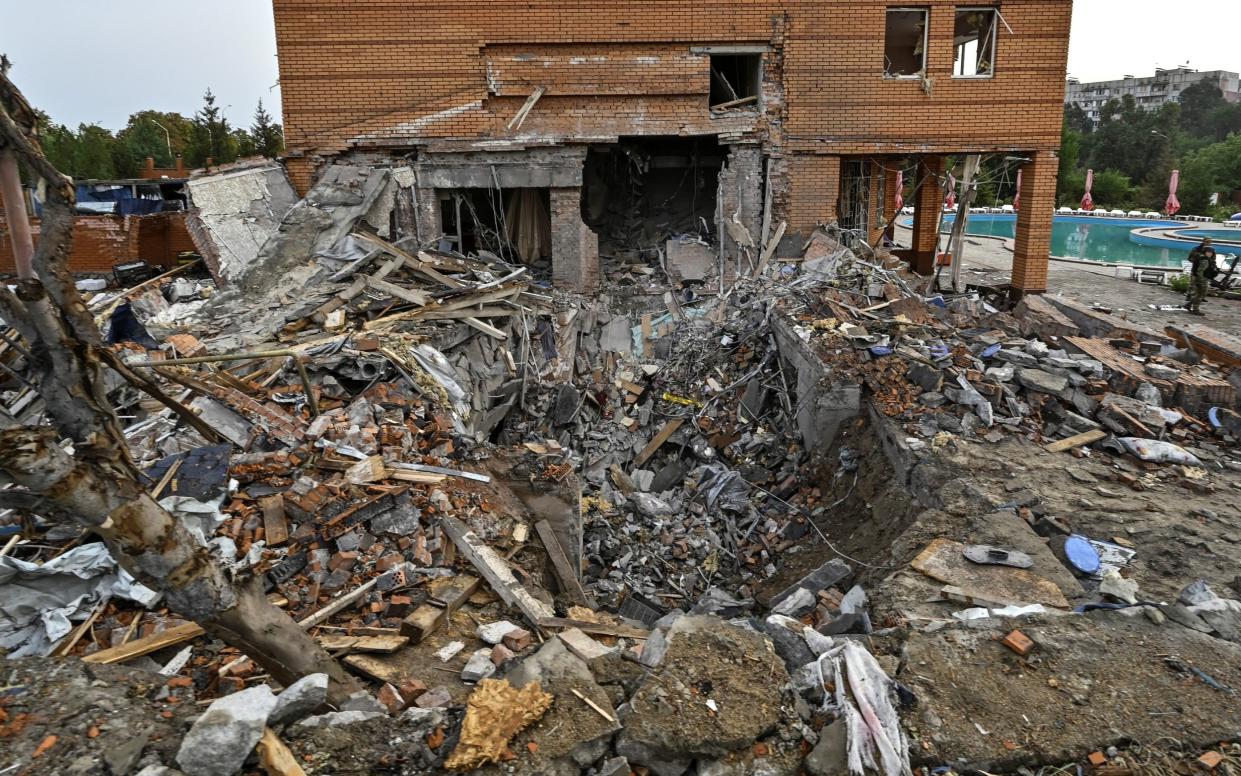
<point x="1151" y="92"/>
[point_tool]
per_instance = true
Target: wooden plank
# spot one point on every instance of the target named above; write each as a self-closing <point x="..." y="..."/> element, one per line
<point x="398" y="292"/>
<point x="382" y="644"/>
<point x="599" y="629"/>
<point x="147" y="645"/>
<point x="375" y="668"/>
<point x="422" y="622"/>
<point x="494" y="570"/>
<point x="1084" y="438"/>
<point x="275" y="522"/>
<point x="346" y="600"/>
<point x="770" y="249"/>
<point x="276" y="757"/>
<point x="158" y="641"/>
<point x="658" y="440"/>
<point x="570" y="584"/>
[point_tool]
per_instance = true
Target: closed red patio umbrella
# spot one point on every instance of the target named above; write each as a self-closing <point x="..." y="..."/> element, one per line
<point x="1173" y="204"/>
<point x="1087" y="200"/>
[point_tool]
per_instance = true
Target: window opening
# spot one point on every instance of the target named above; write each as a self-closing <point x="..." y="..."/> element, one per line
<point x="974" y="39"/>
<point x="904" y="51"/>
<point x="735" y="80"/>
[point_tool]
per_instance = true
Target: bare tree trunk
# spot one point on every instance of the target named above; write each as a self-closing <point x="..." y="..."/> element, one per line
<point x="98" y="486"/>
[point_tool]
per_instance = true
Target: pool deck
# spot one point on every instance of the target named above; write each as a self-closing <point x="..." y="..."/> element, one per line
<point x="988" y="261"/>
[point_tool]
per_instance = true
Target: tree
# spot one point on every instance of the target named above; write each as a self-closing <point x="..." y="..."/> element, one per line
<point x="211" y="135"/>
<point x="1210" y="170"/>
<point x="1076" y="119"/>
<point x="98" y="485"/>
<point x="268" y="137"/>
<point x="1112" y="189"/>
<point x="156" y="134"/>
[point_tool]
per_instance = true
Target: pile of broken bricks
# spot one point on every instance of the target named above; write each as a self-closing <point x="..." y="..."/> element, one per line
<point x="369" y="451"/>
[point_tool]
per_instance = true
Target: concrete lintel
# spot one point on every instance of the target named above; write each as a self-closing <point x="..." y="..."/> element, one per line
<point x="757" y="48"/>
<point x="509" y="177"/>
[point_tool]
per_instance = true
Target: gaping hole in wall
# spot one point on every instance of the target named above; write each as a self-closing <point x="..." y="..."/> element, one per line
<point x="513" y="224"/>
<point x="735" y="80"/>
<point x="974" y="39"/>
<point x="904" y="49"/>
<point x="640" y="192"/>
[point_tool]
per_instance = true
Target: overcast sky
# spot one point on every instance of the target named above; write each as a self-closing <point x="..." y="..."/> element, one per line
<point x="129" y="55"/>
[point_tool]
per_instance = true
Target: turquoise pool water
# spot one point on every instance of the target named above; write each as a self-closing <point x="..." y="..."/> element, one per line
<point x="1230" y="237"/>
<point x="1087" y="237"/>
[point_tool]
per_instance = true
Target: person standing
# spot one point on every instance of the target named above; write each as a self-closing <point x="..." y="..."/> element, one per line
<point x="1202" y="261"/>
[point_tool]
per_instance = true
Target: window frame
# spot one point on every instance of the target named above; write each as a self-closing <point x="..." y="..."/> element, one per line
<point x="995" y="40"/>
<point x="926" y="40"/>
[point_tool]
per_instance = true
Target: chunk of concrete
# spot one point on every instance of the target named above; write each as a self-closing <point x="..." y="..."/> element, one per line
<point x="299" y="700"/>
<point x="223" y="737"/>
<point x="1044" y="382"/>
<point x="830" y="757"/>
<point x="494" y="632"/>
<point x="478" y="667"/>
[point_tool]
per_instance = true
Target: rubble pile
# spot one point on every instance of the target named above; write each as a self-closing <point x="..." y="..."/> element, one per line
<point x="561" y="535"/>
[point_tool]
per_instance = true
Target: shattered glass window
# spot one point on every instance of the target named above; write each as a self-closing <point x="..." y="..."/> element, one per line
<point x="974" y="42"/>
<point x="904" y="50"/>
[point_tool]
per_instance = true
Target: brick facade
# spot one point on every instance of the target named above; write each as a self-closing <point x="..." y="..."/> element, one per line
<point x="103" y="241"/>
<point x="407" y="76"/>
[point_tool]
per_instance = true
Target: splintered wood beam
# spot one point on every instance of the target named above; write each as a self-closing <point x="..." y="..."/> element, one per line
<point x="658" y="440"/>
<point x="494" y="570"/>
<point x="1084" y="438"/>
<point x="570" y="583"/>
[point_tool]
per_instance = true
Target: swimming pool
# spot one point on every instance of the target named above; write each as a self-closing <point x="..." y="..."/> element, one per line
<point x="1088" y="238"/>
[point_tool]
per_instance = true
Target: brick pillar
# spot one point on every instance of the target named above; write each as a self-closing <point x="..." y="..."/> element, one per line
<point x="575" y="248"/>
<point x="1032" y="245"/>
<point x="814" y="189"/>
<point x="928" y="203"/>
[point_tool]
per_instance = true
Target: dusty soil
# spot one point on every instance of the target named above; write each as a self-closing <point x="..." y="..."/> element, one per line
<point x="1093" y="681"/>
<point x="94" y="715"/>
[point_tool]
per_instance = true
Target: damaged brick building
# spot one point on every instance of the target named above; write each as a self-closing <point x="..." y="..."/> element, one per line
<point x="608" y="127"/>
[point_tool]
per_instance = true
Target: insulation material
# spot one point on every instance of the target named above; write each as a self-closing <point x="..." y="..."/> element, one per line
<point x="864" y="697"/>
<point x="496" y="712"/>
<point x="38" y="602"/>
<point x="529" y="225"/>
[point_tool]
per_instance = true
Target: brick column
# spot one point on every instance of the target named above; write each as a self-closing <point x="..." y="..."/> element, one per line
<point x="1032" y="244"/>
<point x="814" y="189"/>
<point x="575" y="248"/>
<point x="928" y="203"/>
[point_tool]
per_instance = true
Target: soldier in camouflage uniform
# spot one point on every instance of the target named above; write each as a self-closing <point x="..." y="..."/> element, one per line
<point x="1201" y="258"/>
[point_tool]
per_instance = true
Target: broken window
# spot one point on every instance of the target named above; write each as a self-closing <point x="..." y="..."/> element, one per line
<point x="904" y="50"/>
<point x="974" y="41"/>
<point x="735" y="80"/>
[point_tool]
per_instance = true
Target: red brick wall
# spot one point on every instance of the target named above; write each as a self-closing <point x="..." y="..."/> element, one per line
<point x="102" y="241"/>
<point x="399" y="71"/>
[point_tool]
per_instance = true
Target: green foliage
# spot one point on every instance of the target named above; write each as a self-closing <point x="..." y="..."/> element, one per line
<point x="266" y="136"/>
<point x="1133" y="152"/>
<point x="1179" y="283"/>
<point x="161" y="136"/>
<point x="94" y="152"/>
<point x="1113" y="189"/>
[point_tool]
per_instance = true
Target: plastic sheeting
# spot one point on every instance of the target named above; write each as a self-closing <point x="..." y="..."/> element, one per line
<point x="39" y="603"/>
